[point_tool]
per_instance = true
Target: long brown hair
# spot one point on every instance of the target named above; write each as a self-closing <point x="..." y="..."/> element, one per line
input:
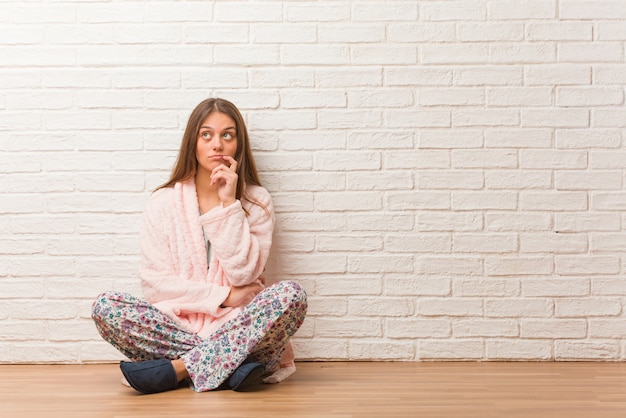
<point x="187" y="163"/>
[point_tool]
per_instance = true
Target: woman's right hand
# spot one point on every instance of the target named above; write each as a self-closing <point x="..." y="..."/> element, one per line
<point x="242" y="295"/>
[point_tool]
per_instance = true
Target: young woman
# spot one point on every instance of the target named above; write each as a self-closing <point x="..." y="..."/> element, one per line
<point x="206" y="236"/>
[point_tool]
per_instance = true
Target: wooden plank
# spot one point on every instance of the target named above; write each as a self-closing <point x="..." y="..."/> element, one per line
<point x="333" y="390"/>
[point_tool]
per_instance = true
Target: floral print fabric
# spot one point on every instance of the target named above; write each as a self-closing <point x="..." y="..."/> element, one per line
<point x="259" y="333"/>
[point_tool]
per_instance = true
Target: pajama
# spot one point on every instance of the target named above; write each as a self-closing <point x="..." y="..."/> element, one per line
<point x="258" y="333"/>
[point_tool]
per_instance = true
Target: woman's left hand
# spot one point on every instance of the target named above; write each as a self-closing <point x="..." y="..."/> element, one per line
<point x="226" y="179"/>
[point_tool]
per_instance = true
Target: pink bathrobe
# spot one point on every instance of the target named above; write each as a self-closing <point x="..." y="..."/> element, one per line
<point x="174" y="273"/>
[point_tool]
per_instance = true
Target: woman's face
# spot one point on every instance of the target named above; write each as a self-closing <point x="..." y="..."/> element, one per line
<point x="217" y="138"/>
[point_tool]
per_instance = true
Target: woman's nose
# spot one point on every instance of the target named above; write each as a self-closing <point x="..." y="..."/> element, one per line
<point x="216" y="143"/>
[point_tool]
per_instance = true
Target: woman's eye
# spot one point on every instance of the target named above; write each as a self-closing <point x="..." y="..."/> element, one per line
<point x="206" y="135"/>
<point x="228" y="136"/>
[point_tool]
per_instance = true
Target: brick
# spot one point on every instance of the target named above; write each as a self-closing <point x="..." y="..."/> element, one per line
<point x="380" y="181"/>
<point x="349" y="285"/>
<point x="584" y="350"/>
<point x="611" y="31"/>
<point x="380" y="306"/>
<point x="483" y="200"/>
<point x="42" y="13"/>
<point x="380" y="263"/>
<point x="327" y="306"/>
<point x="479" y="243"/>
<point x="464" y="328"/>
<point x="422" y="243"/>
<point x="422" y="201"/>
<point x="376" y="12"/>
<point x="519" y="307"/>
<point x="553" y="243"/>
<point x="312" y="222"/>
<point x="562" y="31"/>
<point x="556" y="118"/>
<point x="418" y="328"/>
<point x="245" y="12"/>
<point x="609" y="74"/>
<point x="593" y="180"/>
<point x="421" y="32"/>
<point x="586" y="265"/>
<point x="232" y="33"/>
<point x="344" y="327"/>
<point x="449" y="221"/>
<point x="386" y="98"/>
<point x="579" y="222"/>
<point x="411" y="286"/>
<point x="519" y="349"/>
<point x="383" y="221"/>
<point x="471" y="117"/>
<point x="348" y="77"/>
<point x="610" y="201"/>
<point x="247" y="55"/>
<point x="321" y="348"/>
<point x="555" y="287"/>
<point x="338" y="33"/>
<point x="458" y="179"/>
<point x="380" y="140"/>
<point x="516" y="179"/>
<point x="560" y="201"/>
<point x="316" y="12"/>
<point x="590" y="52"/>
<point x="459" y="10"/>
<point x="299" y="99"/>
<point x="607" y="117"/>
<point x="589" y="96"/>
<point x="283" y="34"/>
<point x="588" y="307"/>
<point x="293" y="202"/>
<point x="523" y="96"/>
<point x="587" y="138"/>
<point x="455" y="53"/>
<point x="277" y="77"/>
<point x="605" y="242"/>
<point x="347" y="161"/>
<point x="13" y="289"/>
<point x="464" y="349"/>
<point x="383" y="55"/>
<point x="450" y="265"/>
<point x="484" y="158"/>
<point x="451" y="97"/>
<point x="418" y="119"/>
<point x="488" y="75"/>
<point x="454" y="307"/>
<point x="591" y="9"/>
<point x="336" y="201"/>
<point x="487" y="31"/>
<point x="522" y="266"/>
<point x="381" y="350"/>
<point x="553" y="328"/>
<point x="607" y="328"/>
<point x="491" y="287"/>
<point x="312" y="182"/>
<point x="559" y="74"/>
<point x="417" y="76"/>
<point x="350" y="243"/>
<point x="522" y="53"/>
<point x="312" y="54"/>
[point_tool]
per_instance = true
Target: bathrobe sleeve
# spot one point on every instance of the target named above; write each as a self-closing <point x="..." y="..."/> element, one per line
<point x="241" y="243"/>
<point x="171" y="277"/>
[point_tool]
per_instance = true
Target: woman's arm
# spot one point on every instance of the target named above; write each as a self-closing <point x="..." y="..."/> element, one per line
<point x="241" y="243"/>
<point x="165" y="278"/>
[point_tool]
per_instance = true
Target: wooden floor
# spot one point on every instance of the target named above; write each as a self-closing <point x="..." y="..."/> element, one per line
<point x="332" y="390"/>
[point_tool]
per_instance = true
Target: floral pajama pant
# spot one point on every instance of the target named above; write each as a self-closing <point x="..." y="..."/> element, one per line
<point x="259" y="333"/>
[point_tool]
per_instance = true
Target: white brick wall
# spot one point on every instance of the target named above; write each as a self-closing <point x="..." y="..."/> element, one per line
<point x="449" y="175"/>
